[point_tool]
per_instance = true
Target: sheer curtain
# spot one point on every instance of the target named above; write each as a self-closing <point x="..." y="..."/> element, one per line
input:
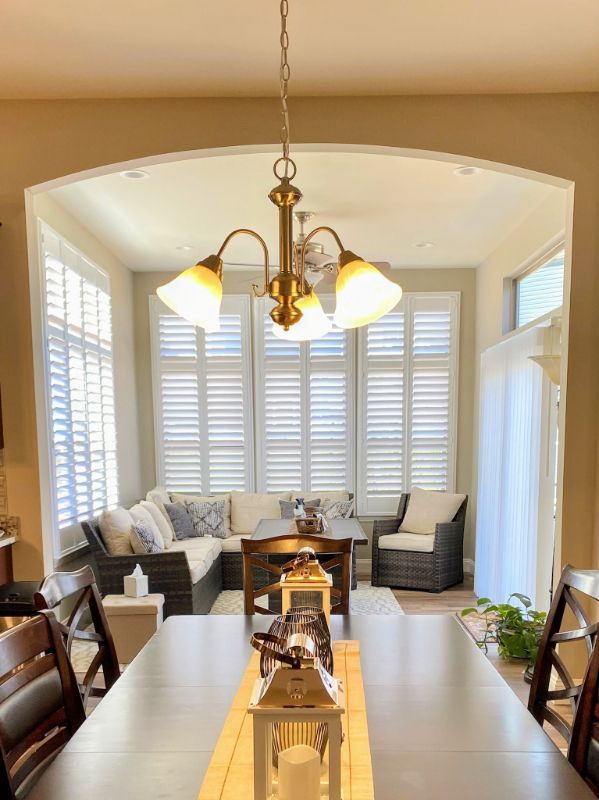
<point x="509" y="467"/>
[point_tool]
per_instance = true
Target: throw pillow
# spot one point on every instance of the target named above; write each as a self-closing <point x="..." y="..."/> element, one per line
<point x="182" y="524"/>
<point x="114" y="527"/>
<point x="338" y="509"/>
<point x="287" y="506"/>
<point x="141" y="514"/>
<point x="159" y="517"/>
<point x="160" y="496"/>
<point x="195" y="498"/>
<point x="427" y="508"/>
<point x="209" y="518"/>
<point x="143" y="539"/>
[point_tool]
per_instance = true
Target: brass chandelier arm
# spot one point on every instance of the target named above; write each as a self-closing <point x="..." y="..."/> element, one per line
<point x="321" y="229"/>
<point x="250" y="232"/>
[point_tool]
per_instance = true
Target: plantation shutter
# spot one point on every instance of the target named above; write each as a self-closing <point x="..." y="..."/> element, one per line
<point x="202" y="400"/>
<point x="408" y="400"/>
<point x="80" y="387"/>
<point x="304" y="410"/>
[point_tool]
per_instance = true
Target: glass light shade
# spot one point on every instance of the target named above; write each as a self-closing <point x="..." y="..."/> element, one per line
<point x="195" y="295"/>
<point x="363" y="294"/>
<point x="313" y="325"/>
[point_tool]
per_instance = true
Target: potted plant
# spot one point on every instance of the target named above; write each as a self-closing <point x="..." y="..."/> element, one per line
<point x="517" y="629"/>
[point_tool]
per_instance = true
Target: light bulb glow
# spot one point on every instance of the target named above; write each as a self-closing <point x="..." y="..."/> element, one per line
<point x="195" y="295"/>
<point x="363" y="295"/>
<point x="313" y="325"/>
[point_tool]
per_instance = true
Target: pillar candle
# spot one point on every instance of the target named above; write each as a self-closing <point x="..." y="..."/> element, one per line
<point x="299" y="773"/>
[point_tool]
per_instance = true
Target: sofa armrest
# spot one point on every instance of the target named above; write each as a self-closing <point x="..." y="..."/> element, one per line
<point x="167" y="572"/>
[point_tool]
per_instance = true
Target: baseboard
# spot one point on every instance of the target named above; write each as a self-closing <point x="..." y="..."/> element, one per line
<point x="469" y="566"/>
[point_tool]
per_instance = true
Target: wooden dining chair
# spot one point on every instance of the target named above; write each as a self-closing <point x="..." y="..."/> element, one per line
<point x="550" y="668"/>
<point x="81" y="586"/>
<point x="255" y="558"/>
<point x="40" y="703"/>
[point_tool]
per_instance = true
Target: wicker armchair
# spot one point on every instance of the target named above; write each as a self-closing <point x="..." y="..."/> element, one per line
<point x="405" y="569"/>
<point x="168" y="574"/>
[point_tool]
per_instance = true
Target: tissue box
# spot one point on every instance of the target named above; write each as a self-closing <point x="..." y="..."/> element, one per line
<point x="136" y="585"/>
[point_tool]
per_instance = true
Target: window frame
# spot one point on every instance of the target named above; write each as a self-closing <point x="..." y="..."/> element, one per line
<point x="53" y="532"/>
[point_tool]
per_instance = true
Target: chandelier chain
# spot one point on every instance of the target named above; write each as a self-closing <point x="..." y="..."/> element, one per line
<point x="284" y="75"/>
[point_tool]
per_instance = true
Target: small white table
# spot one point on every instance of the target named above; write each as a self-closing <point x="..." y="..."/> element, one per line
<point x="133" y="621"/>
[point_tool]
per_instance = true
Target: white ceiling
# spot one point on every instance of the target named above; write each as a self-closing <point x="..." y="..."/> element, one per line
<point x="381" y="206"/>
<point x="136" y="48"/>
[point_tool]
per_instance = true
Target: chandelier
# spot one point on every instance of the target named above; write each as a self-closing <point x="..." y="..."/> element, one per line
<point x="363" y="293"/>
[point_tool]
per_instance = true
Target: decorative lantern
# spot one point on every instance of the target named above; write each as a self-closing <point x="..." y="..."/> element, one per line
<point x="296" y="711"/>
<point x="305" y="583"/>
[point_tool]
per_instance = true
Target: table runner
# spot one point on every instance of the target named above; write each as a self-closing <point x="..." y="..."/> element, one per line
<point x="230" y="774"/>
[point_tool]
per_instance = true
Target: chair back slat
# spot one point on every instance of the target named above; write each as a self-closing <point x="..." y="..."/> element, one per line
<point x="255" y="555"/>
<point x="40" y="704"/>
<point x="61" y="586"/>
<point x="550" y="666"/>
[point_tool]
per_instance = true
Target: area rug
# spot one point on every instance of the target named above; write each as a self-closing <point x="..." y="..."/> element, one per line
<point x="366" y="599"/>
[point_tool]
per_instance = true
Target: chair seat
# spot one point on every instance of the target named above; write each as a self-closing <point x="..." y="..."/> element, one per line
<point x="412" y="542"/>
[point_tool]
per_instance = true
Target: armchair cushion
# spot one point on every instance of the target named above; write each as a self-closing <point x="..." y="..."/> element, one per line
<point x="426" y="509"/>
<point x="412" y="542"/>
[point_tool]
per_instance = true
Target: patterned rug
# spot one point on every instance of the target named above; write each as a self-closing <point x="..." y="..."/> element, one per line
<point x="366" y="599"/>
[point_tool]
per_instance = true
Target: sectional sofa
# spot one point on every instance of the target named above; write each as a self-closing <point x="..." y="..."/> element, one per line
<point x="192" y="572"/>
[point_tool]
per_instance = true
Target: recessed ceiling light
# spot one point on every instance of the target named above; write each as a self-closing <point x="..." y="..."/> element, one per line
<point x="423" y="245"/>
<point x="134" y="174"/>
<point x="467" y="171"/>
<point x="185" y="247"/>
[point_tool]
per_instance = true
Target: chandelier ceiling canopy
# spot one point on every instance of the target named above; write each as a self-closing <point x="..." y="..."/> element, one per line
<point x="363" y="293"/>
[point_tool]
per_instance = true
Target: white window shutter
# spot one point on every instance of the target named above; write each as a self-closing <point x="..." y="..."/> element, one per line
<point x="80" y="387"/>
<point x="408" y="397"/>
<point x="304" y="408"/>
<point x="202" y="400"/>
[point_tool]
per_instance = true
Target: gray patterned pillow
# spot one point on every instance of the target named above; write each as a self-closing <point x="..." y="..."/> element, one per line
<point x="182" y="524"/>
<point x="287" y="506"/>
<point x="142" y="539"/>
<point x="208" y="518"/>
<point x="338" y="509"/>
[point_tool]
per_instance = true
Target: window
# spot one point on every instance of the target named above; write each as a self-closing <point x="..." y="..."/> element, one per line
<point x="305" y="404"/>
<point x="304" y="408"/>
<point x="79" y="387"/>
<point x="202" y="400"/>
<point x="540" y="290"/>
<point x="408" y="400"/>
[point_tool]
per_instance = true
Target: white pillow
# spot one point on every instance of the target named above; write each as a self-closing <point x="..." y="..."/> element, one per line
<point x="115" y="526"/>
<point x="159" y="496"/>
<point x="145" y="538"/>
<point x="166" y="530"/>
<point x="426" y="509"/>
<point x="141" y="514"/>
<point x="323" y="494"/>
<point x="248" y="509"/>
<point x="193" y="498"/>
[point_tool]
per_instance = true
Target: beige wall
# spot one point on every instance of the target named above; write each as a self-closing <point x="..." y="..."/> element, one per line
<point x="411" y="280"/>
<point x="551" y="134"/>
<point x="121" y="285"/>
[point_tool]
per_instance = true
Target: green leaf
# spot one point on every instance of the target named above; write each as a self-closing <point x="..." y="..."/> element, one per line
<point x="482" y="601"/>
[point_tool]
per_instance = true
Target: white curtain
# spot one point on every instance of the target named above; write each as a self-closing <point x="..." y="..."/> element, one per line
<point x="509" y="467"/>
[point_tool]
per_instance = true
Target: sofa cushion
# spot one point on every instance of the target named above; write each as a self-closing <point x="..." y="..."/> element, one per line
<point x="287" y="506"/>
<point x="209" y="518"/>
<point x="248" y="509"/>
<point x="141" y="514"/>
<point x="324" y="495"/>
<point x="201" y="553"/>
<point x="115" y="526"/>
<point x="197" y="570"/>
<point x="158" y="515"/>
<point x="233" y="543"/>
<point x="413" y="542"/>
<point x="427" y="508"/>
<point x="177" y="497"/>
<point x="338" y="509"/>
<point x="159" y="496"/>
<point x="182" y="524"/>
<point x="145" y="538"/>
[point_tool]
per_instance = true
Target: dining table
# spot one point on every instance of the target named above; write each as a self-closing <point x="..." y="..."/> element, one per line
<point x="442" y="722"/>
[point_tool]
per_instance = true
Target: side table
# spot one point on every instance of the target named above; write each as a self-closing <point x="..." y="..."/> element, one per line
<point x="133" y="621"/>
